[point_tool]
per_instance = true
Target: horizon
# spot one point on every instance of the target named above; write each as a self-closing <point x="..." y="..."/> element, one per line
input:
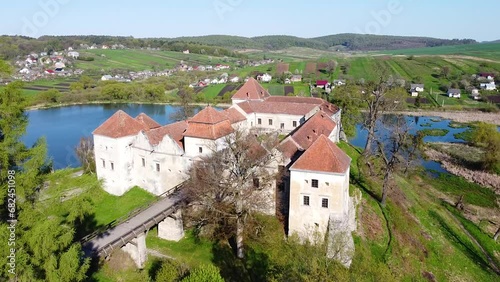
<point x="241" y="36"/>
<point x="157" y="19"/>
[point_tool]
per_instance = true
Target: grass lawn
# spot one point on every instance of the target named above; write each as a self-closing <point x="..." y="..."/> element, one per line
<point x="188" y="250"/>
<point x="212" y="91"/>
<point x="275" y="89"/>
<point x="109" y="207"/>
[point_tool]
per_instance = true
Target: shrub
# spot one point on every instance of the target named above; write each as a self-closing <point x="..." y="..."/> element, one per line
<point x="204" y="273"/>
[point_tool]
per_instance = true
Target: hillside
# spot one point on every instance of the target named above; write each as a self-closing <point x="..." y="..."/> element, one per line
<point x="12" y="46"/>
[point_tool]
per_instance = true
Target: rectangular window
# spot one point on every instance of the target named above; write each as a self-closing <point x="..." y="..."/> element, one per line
<point x="259" y="121"/>
<point x="158" y="167"/>
<point x="112" y="166"/>
<point x="294" y="123"/>
<point x="324" y="203"/>
<point x="256" y="183"/>
<point x="306" y="201"/>
<point x="282" y="126"/>
<point x="143" y="162"/>
<point x="270" y="122"/>
<point x="200" y="150"/>
<point x="103" y="164"/>
<point x="314" y="183"/>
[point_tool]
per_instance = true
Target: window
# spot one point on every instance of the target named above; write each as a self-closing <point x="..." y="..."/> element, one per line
<point x="200" y="150"/>
<point x="103" y="164"/>
<point x="259" y="121"/>
<point x="112" y="166"/>
<point x="306" y="201"/>
<point x="282" y="126"/>
<point x="294" y="123"/>
<point x="256" y="183"/>
<point x="157" y="167"/>
<point x="143" y="162"/>
<point x="324" y="203"/>
<point x="314" y="183"/>
<point x="270" y="122"/>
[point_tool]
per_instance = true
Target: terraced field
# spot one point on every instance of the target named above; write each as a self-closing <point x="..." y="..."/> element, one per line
<point x="138" y="60"/>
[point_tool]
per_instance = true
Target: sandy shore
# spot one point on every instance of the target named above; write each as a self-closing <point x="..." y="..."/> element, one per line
<point x="462" y="117"/>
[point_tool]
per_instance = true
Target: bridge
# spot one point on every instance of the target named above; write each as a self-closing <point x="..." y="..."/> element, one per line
<point x="129" y="233"/>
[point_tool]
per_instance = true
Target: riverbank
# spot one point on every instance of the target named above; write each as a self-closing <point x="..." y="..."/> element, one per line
<point x="461" y="116"/>
<point x="479" y="177"/>
<point x="59" y="105"/>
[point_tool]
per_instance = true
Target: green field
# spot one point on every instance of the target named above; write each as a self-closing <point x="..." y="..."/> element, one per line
<point x="483" y="50"/>
<point x="139" y="60"/>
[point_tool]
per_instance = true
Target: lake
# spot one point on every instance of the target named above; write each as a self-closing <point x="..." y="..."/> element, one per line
<point x="64" y="126"/>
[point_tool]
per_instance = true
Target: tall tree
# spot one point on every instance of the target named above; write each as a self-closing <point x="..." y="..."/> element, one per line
<point x="349" y="99"/>
<point x="85" y="153"/>
<point x="379" y="98"/>
<point x="330" y="68"/>
<point x="397" y="149"/>
<point x="43" y="248"/>
<point x="228" y="187"/>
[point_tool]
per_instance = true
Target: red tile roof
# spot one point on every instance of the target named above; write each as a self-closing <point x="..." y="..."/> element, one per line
<point x="147" y="121"/>
<point x="120" y="124"/>
<point x="174" y="130"/>
<point x="288" y="147"/>
<point x="323" y="156"/>
<point x="209" y="124"/>
<point x="322" y="82"/>
<point x="298" y="109"/>
<point x="251" y="90"/>
<point x="294" y="99"/>
<point x="234" y="115"/>
<point x="208" y="115"/>
<point x="315" y="126"/>
<point x="208" y="131"/>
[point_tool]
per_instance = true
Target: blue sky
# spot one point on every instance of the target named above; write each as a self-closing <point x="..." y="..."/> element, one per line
<point x="168" y="18"/>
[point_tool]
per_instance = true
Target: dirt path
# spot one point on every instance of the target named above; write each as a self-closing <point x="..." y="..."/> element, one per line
<point x="462" y="117"/>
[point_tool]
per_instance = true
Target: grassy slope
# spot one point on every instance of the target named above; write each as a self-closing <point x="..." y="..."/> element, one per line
<point x="425" y="236"/>
<point x="484" y="50"/>
<point x="139" y="60"/>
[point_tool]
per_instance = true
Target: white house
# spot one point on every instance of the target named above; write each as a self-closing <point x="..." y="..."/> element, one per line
<point x="234" y="79"/>
<point x="417" y="88"/>
<point x="265" y="77"/>
<point x="106" y="77"/>
<point x="185" y="51"/>
<point x="339" y="82"/>
<point x="73" y="54"/>
<point x="454" y="93"/>
<point x="489" y="86"/>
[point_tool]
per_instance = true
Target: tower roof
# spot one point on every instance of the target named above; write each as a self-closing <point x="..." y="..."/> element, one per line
<point x="120" y="124"/>
<point x="251" y="90"/>
<point x="208" y="115"/>
<point x="147" y="121"/>
<point x="323" y="156"/>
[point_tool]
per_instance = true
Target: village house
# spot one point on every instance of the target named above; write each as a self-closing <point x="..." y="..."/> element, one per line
<point x="415" y="89"/>
<point x="475" y="94"/>
<point x="454" y="93"/>
<point x="490" y="86"/>
<point x="296" y="78"/>
<point x="339" y="82"/>
<point x="140" y="152"/>
<point x="264" y="77"/>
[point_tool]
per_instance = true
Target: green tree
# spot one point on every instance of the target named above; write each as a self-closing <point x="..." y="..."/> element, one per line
<point x="44" y="248"/>
<point x="204" y="273"/>
<point x="487" y="136"/>
<point x="349" y="99"/>
<point x="49" y="96"/>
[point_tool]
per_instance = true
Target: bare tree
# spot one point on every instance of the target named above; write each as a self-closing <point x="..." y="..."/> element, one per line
<point x="396" y="151"/>
<point x="186" y="100"/>
<point x="228" y="187"/>
<point x="85" y="153"/>
<point x="330" y="67"/>
<point x="379" y="98"/>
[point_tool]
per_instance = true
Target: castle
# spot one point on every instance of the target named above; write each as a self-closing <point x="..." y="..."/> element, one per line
<point x="140" y="152"/>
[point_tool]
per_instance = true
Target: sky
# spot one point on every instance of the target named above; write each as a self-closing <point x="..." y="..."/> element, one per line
<point x="167" y="18"/>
